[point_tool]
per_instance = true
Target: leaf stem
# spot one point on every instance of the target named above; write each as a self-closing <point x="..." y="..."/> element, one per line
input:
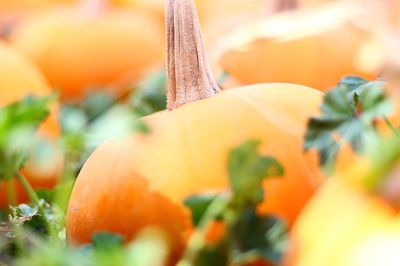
<point x="35" y="199"/>
<point x="19" y="243"/>
<point x="11" y="193"/>
<point x="197" y="241"/>
<point x="395" y="131"/>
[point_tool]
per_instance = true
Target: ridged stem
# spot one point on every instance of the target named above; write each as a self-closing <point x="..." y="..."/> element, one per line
<point x="188" y="70"/>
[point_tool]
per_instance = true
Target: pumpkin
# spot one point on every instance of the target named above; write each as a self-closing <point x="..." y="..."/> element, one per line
<point x="216" y="16"/>
<point x="89" y="46"/>
<point x="305" y="47"/>
<point x="348" y="224"/>
<point x="186" y="150"/>
<point x="13" y="11"/>
<point x="19" y="78"/>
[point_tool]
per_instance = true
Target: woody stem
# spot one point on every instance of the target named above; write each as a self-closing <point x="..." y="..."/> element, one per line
<point x="188" y="71"/>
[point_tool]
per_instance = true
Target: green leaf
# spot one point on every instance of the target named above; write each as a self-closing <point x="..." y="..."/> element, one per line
<point x="107" y="241"/>
<point x="140" y="126"/>
<point x="23" y="213"/>
<point x="247" y="170"/>
<point x="150" y="96"/>
<point x="213" y="255"/>
<point x="198" y="205"/>
<point x="47" y="195"/>
<point x="29" y="217"/>
<point x="3" y="215"/>
<point x="18" y="122"/>
<point x="48" y="254"/>
<point x="96" y="103"/>
<point x="258" y="237"/>
<point x="348" y="114"/>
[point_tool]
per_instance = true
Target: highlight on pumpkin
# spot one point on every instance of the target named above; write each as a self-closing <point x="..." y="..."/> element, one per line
<point x="199" y="132"/>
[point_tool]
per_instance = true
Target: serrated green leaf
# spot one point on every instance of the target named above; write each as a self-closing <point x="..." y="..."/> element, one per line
<point x="247" y="169"/>
<point x="258" y="237"/>
<point x="348" y="115"/>
<point x="198" y="205"/>
<point x="352" y="82"/>
<point x="18" y="122"/>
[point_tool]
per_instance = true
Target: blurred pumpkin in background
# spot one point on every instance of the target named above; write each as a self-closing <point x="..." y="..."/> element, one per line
<point x="215" y="16"/>
<point x="313" y="47"/>
<point x="20" y="78"/>
<point x="353" y="220"/>
<point x="90" y="46"/>
<point x="219" y="16"/>
<point x="13" y="11"/>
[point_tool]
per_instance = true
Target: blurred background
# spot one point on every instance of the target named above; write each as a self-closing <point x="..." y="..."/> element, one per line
<point x="105" y="62"/>
<point x="88" y="44"/>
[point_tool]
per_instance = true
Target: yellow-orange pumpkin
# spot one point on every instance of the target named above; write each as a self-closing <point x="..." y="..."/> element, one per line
<point x="19" y="78"/>
<point x="346" y="225"/>
<point x="78" y="48"/>
<point x="310" y="47"/>
<point x="186" y="150"/>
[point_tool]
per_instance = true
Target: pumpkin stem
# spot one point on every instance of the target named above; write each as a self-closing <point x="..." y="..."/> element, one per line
<point x="188" y="71"/>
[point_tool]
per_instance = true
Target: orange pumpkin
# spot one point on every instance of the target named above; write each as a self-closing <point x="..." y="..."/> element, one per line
<point x="216" y="16"/>
<point x="346" y="225"/>
<point x="310" y="47"/>
<point x="13" y="11"/>
<point x="208" y="9"/>
<point x="19" y="78"/>
<point x="186" y="151"/>
<point x="81" y="47"/>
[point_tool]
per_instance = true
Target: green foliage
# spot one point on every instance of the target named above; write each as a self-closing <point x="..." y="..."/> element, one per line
<point x="258" y="237"/>
<point x="249" y="236"/>
<point x="96" y="103"/>
<point x="247" y="170"/>
<point x="384" y="156"/>
<point x="150" y="95"/>
<point x="105" y="250"/>
<point x="18" y="122"/>
<point x="107" y="241"/>
<point x="348" y="114"/>
<point x="87" y="124"/>
<point x="30" y="217"/>
<point x="213" y="255"/>
<point x="198" y="204"/>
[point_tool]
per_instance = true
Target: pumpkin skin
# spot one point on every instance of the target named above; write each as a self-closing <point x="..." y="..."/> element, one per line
<point x="217" y="17"/>
<point x="344" y="225"/>
<point x="77" y="51"/>
<point x="302" y="47"/>
<point x="136" y="207"/>
<point x="19" y="78"/>
<point x="185" y="153"/>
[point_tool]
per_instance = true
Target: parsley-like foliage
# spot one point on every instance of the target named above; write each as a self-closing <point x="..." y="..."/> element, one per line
<point x="18" y="122"/>
<point x="349" y="114"/>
